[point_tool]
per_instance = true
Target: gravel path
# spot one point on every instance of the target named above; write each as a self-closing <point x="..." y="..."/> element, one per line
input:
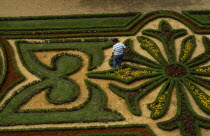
<point x="68" y="7"/>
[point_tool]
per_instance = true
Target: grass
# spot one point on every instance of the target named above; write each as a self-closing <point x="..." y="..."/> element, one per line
<point x="67" y="22"/>
<point x="201" y="16"/>
<point x="93" y="110"/>
<point x="94" y="50"/>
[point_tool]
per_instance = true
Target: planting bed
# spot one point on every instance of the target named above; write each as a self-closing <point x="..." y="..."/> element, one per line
<point x="57" y="79"/>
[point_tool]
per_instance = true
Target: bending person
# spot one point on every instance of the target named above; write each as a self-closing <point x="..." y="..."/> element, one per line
<point x="117" y="52"/>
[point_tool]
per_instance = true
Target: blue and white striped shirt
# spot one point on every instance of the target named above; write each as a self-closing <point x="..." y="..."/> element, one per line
<point x="118" y="48"/>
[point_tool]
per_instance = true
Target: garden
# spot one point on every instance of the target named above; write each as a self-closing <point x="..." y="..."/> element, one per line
<point x="57" y="79"/>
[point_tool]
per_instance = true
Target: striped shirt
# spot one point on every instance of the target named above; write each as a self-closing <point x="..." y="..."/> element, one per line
<point x="118" y="48"/>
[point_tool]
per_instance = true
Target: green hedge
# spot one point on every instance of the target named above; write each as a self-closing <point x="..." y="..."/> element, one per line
<point x="3" y="64"/>
<point x="130" y="28"/>
<point x="107" y="74"/>
<point x="14" y="63"/>
<point x="133" y="95"/>
<point x="94" y="50"/>
<point x="200" y="16"/>
<point x="186" y="120"/>
<point x="107" y="134"/>
<point x="130" y="55"/>
<point x="136" y="126"/>
<point x="69" y="23"/>
<point x="93" y="110"/>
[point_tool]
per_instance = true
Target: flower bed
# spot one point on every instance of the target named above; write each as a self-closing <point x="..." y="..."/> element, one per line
<point x="171" y="73"/>
<point x="156" y="72"/>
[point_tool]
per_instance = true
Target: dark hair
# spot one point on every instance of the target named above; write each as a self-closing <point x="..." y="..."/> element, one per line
<point x="115" y="40"/>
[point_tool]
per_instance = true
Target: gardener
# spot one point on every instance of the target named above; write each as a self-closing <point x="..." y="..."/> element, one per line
<point x="117" y="52"/>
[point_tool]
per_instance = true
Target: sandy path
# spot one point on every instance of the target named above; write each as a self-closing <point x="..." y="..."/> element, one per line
<point x="69" y="7"/>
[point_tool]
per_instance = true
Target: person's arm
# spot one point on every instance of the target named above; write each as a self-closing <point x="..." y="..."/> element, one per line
<point x="112" y="54"/>
<point x="113" y="49"/>
<point x="124" y="47"/>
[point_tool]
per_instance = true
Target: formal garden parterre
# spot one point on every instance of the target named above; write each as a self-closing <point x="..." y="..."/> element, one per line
<point x="153" y="62"/>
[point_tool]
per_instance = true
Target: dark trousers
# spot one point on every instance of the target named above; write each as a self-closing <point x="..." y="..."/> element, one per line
<point x="117" y="60"/>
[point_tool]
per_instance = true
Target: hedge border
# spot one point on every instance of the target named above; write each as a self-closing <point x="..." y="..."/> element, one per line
<point x="76" y="16"/>
<point x="131" y="55"/>
<point x="22" y="76"/>
<point x="90" y="66"/>
<point x="189" y="13"/>
<point x="140" y="91"/>
<point x="166" y="91"/>
<point x="168" y="41"/>
<point x="90" y="86"/>
<point x="105" y="75"/>
<point x="84" y="128"/>
<point x="173" y="121"/>
<point x="12" y="85"/>
<point x="74" y="29"/>
<point x="3" y="64"/>
<point x="75" y="86"/>
<point x="143" y="20"/>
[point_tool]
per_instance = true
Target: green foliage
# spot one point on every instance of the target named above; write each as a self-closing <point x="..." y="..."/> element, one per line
<point x="203" y="57"/>
<point x="3" y="64"/>
<point x="124" y="127"/>
<point x="94" y="110"/>
<point x="107" y="134"/>
<point x="96" y="39"/>
<point x="5" y="70"/>
<point x="130" y="55"/>
<point x="167" y="35"/>
<point x="184" y="71"/>
<point x="170" y="72"/>
<point x="63" y="40"/>
<point x="187" y="48"/>
<point x="63" y="89"/>
<point x="133" y="95"/>
<point x="161" y="104"/>
<point x="186" y="119"/>
<point x="126" y="27"/>
<point x="200" y="16"/>
<point x="200" y="97"/>
<point x="94" y="50"/>
<point x="66" y="23"/>
<point x="125" y="74"/>
<point x="56" y="76"/>
<point x="152" y="48"/>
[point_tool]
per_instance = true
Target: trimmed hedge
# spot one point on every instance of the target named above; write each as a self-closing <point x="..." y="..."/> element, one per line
<point x="3" y="64"/>
<point x="200" y="16"/>
<point x="14" y="63"/>
<point x="93" y="110"/>
<point x="171" y="72"/>
<point x="167" y="35"/>
<point x="132" y="96"/>
<point x="130" y="55"/>
<point x="186" y="119"/>
<point x="107" y="134"/>
<point x="94" y="50"/>
<point x="67" y="23"/>
<point x="109" y="74"/>
<point x="127" y="126"/>
<point x="130" y="28"/>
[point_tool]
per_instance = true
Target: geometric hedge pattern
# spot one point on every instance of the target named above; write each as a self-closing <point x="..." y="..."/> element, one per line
<point x="166" y="70"/>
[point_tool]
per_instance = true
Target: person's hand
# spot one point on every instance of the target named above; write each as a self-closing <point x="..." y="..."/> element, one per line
<point x="112" y="55"/>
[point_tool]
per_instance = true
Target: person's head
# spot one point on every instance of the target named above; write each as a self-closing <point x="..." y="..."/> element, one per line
<point x="115" y="40"/>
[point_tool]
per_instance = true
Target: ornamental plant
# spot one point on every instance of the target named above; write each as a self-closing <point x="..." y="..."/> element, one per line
<point x="172" y="72"/>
